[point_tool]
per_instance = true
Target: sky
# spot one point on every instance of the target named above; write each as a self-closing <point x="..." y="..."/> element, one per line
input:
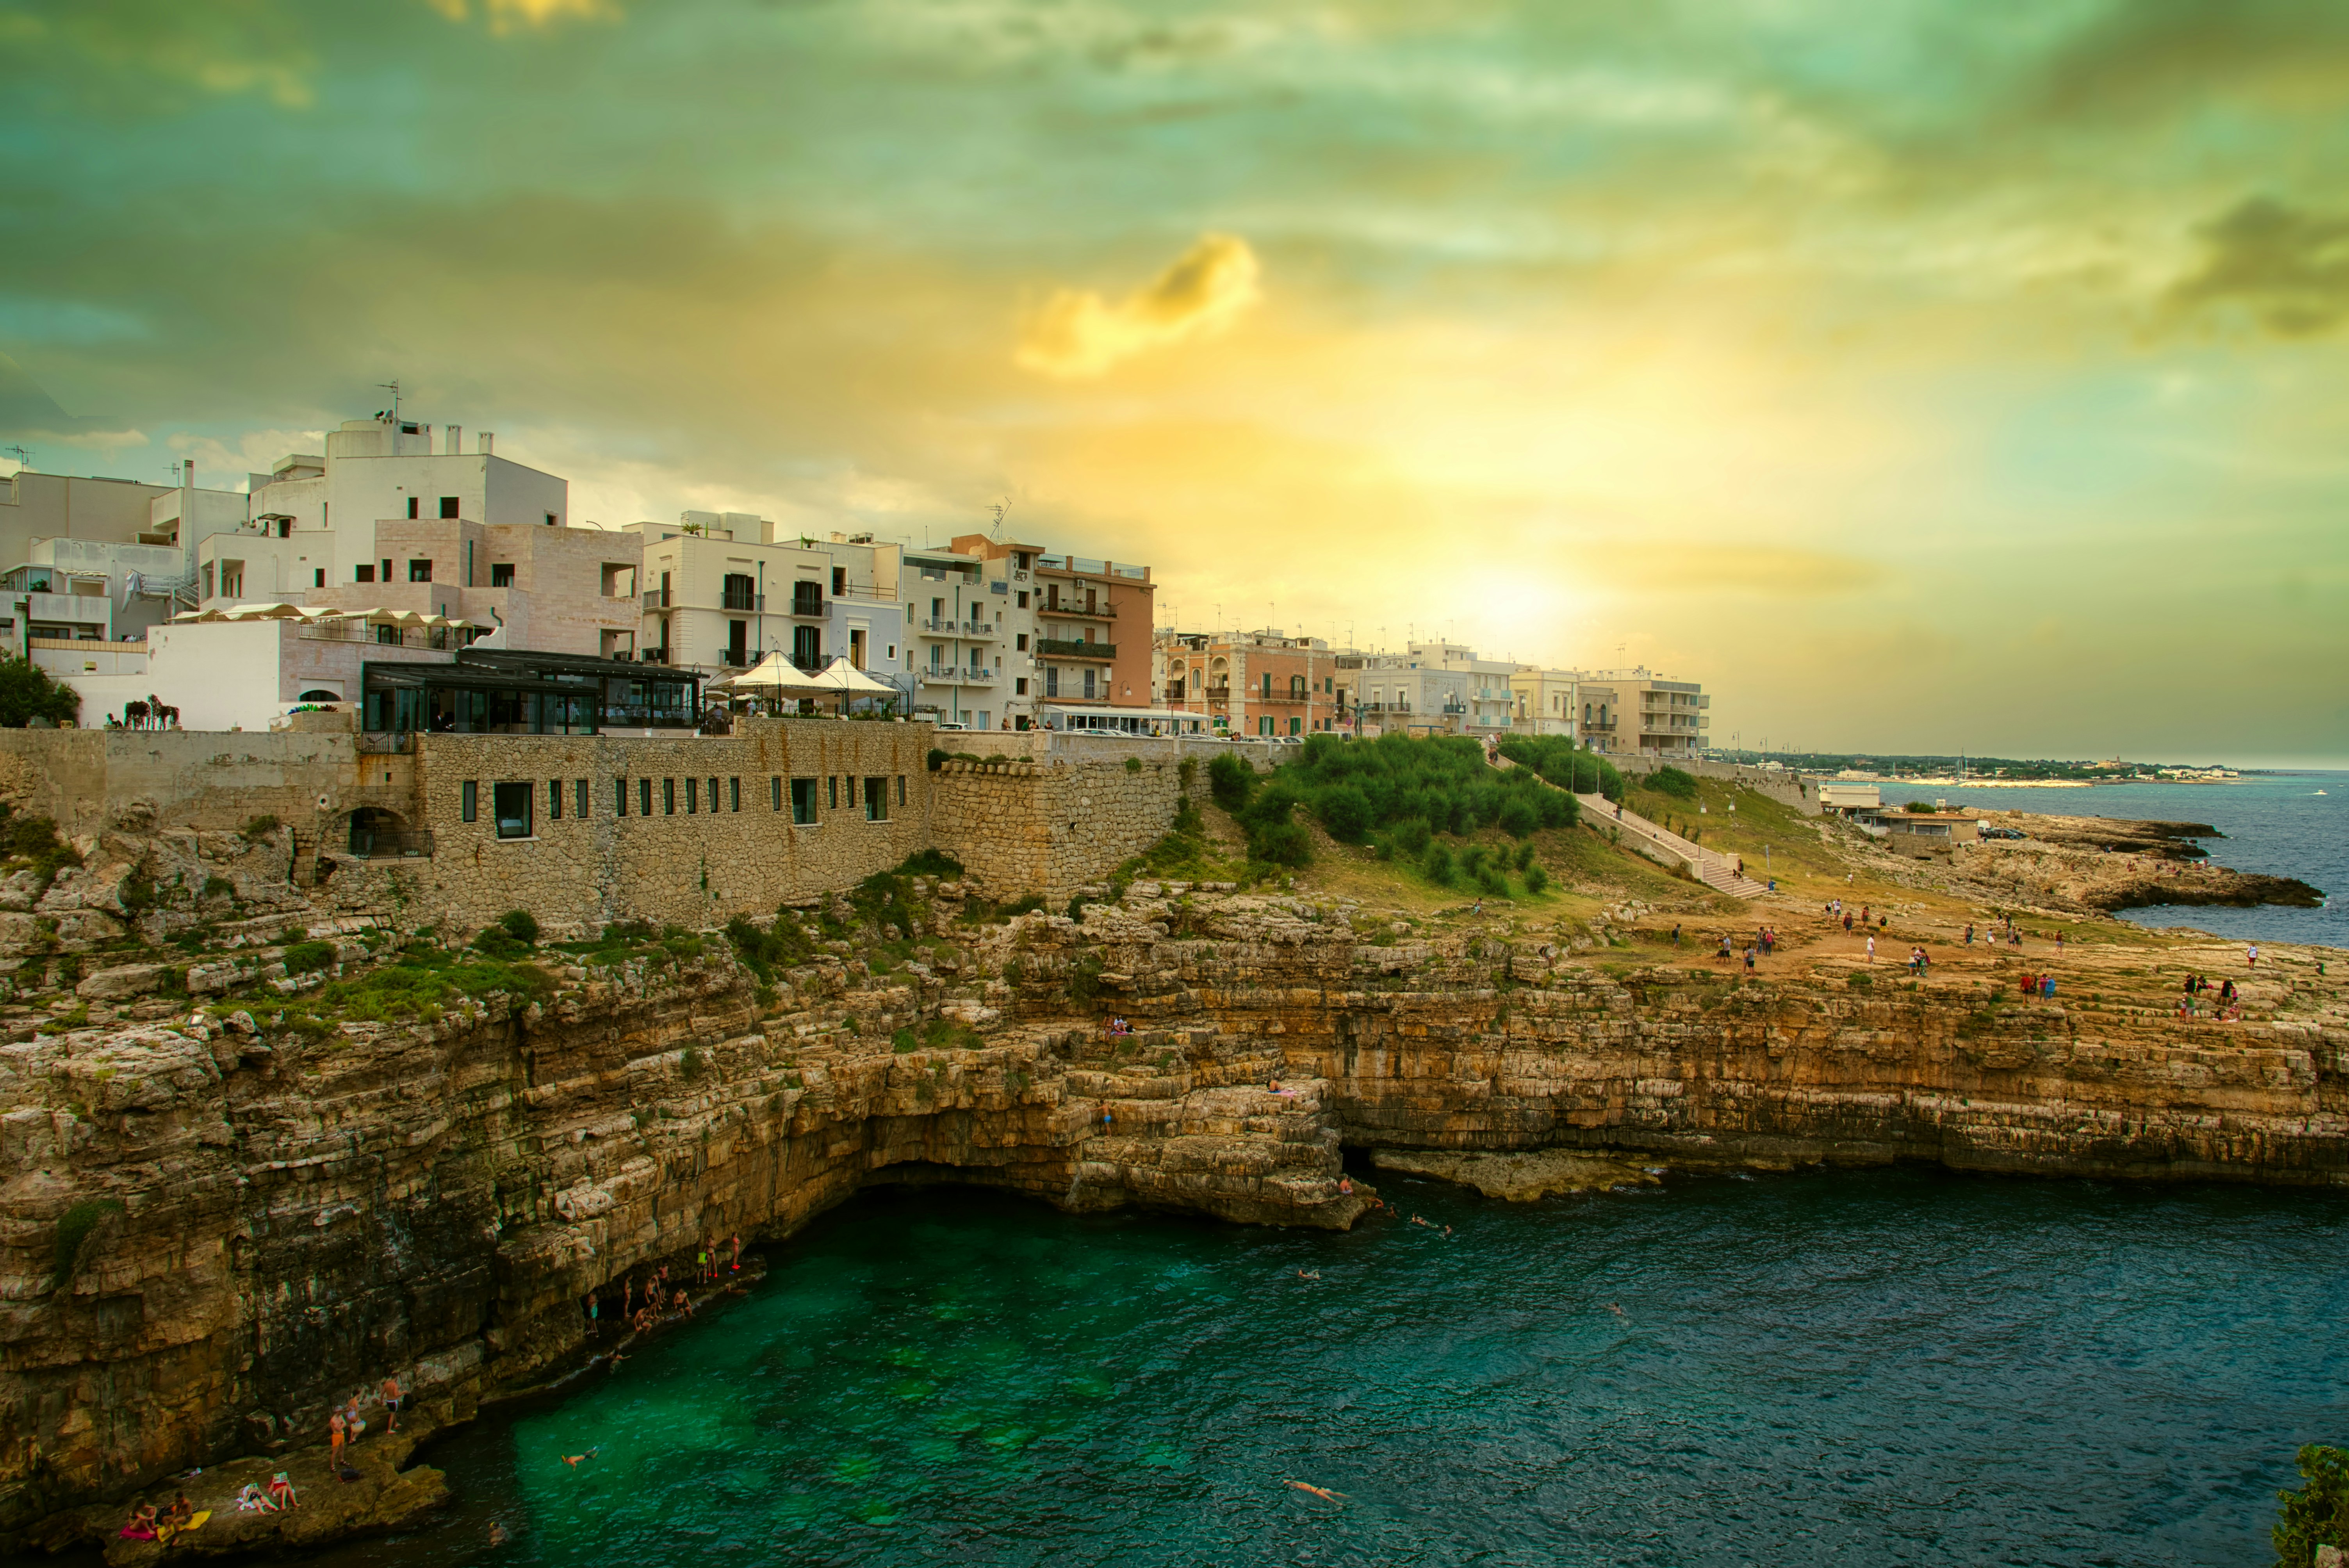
<point x="1918" y="375"/>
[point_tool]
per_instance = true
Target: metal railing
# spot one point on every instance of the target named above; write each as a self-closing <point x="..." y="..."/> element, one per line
<point x="950" y="674"/>
<point x="390" y="843"/>
<point x="1053" y="606"/>
<point x="386" y="742"/>
<point x="1072" y="648"/>
<point x="655" y="598"/>
<point x="355" y="630"/>
<point x="755" y="603"/>
<point x="804" y="605"/>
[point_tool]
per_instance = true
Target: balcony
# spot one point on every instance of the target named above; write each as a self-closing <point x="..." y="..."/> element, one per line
<point x="1069" y="648"/>
<point x="1091" y="613"/>
<point x="1282" y="698"/>
<point x="807" y="606"/>
<point x="657" y="599"/>
<point x="949" y="627"/>
<point x="950" y="674"/>
<point x="741" y="604"/>
<point x="1175" y="691"/>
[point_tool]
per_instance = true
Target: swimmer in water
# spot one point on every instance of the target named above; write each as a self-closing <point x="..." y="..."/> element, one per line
<point x="497" y="1533"/>
<point x="1323" y="1493"/>
<point x="1303" y="1274"/>
<point x="574" y="1460"/>
<point x="1617" y="1310"/>
<point x="1417" y="1220"/>
<point x="1447" y="1231"/>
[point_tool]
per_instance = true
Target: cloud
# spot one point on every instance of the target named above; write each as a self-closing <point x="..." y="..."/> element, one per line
<point x="1773" y="571"/>
<point x="1077" y="335"/>
<point x="2287" y="265"/>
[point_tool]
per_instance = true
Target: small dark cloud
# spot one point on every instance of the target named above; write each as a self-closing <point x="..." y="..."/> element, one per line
<point x="2287" y="265"/>
<point x="28" y="413"/>
<point x="2161" y="57"/>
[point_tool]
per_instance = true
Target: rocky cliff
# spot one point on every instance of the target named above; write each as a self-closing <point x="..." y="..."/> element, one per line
<point x="219" y="1219"/>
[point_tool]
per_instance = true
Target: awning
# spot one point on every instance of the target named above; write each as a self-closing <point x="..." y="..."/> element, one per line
<point x="774" y="676"/>
<point x="842" y="676"/>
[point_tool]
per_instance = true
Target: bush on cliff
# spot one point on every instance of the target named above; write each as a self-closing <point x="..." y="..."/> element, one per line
<point x="1230" y="781"/>
<point x="1442" y="781"/>
<point x="780" y="946"/>
<point x="74" y="1228"/>
<point x="31" y="843"/>
<point x="1673" y="781"/>
<point x="522" y="925"/>
<point x="28" y="691"/>
<point x="1563" y="763"/>
<point x="2318" y="1513"/>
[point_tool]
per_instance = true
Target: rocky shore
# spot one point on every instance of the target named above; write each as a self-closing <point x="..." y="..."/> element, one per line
<point x="217" y="1221"/>
<point x="2107" y="863"/>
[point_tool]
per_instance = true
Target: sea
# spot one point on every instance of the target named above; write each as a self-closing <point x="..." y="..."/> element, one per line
<point x="1868" y="1368"/>
<point x="2288" y="824"/>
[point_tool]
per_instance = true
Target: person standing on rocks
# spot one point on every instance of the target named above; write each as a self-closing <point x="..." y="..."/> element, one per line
<point x="1871" y="950"/>
<point x="392" y="1397"/>
<point x="335" y="1442"/>
<point x="2251" y="957"/>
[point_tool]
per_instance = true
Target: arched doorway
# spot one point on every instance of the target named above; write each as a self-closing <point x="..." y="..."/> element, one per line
<point x="376" y="832"/>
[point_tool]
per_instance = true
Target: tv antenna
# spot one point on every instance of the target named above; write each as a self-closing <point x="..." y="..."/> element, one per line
<point x="24" y="459"/>
<point x="1000" y="511"/>
<point x="389" y="416"/>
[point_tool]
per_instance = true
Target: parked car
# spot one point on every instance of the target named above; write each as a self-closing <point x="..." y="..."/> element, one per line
<point x="948" y="724"/>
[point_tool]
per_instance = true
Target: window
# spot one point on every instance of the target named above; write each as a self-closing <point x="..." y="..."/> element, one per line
<point x="387" y="572"/>
<point x="619" y="797"/>
<point x="579" y="799"/>
<point x="669" y="797"/>
<point x="468" y="578"/>
<point x="1020" y="685"/>
<point x="713" y="797"/>
<point x="512" y="804"/>
<point x="738" y="643"/>
<point x="419" y="572"/>
<point x="839" y="581"/>
<point x="831" y="792"/>
<point x="852" y="790"/>
<point x="1023" y="600"/>
<point x="643" y="796"/>
<point x="901" y="789"/>
<point x="775" y="793"/>
<point x="448" y="506"/>
<point x="363" y="574"/>
<point x="876" y="800"/>
<point x="500" y="573"/>
<point x="733" y="794"/>
<point x="738" y="591"/>
<point x="1020" y="641"/>
<point x="554" y="799"/>
<point x="550" y="519"/>
<point x="807" y="647"/>
<point x="411" y="505"/>
<point x="1088" y="685"/>
<point x="469" y="799"/>
<point x="1264" y="726"/>
<point x="692" y="796"/>
<point x="1052" y="680"/>
<point x="803" y="802"/>
<point x="1267" y="683"/>
<point x="1295" y="725"/>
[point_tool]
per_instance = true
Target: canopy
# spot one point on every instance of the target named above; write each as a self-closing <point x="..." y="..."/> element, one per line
<point x="247" y="613"/>
<point x="774" y="675"/>
<point x="842" y="676"/>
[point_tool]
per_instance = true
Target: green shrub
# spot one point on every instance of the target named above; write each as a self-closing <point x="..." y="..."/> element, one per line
<point x="1860" y="982"/>
<point x="1569" y="766"/>
<point x="257" y="827"/>
<point x="1187" y="770"/>
<point x="1537" y="879"/>
<point x="1076" y="910"/>
<point x="1133" y="765"/>
<point x="522" y="925"/>
<point x="930" y="864"/>
<point x="1435" y="865"/>
<point x="1525" y="857"/>
<point x="1230" y="780"/>
<point x="28" y="691"/>
<point x="309" y="957"/>
<point x="73" y="1233"/>
<point x="497" y="942"/>
<point x="1922" y="808"/>
<point x="904" y="1040"/>
<point x="1345" y="813"/>
<point x="2318" y="1513"/>
<point x="1188" y="823"/>
<point x="1673" y="781"/>
<point x="938" y="758"/>
<point x="780" y="946"/>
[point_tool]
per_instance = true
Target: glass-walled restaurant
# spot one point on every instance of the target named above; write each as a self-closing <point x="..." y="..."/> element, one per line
<point x="495" y="692"/>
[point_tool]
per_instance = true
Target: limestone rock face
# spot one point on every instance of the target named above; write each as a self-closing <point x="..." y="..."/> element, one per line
<point x="212" y="1228"/>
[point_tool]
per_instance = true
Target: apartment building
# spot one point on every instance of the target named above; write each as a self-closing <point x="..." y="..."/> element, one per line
<point x="1488" y="697"/>
<point x="1545" y="701"/>
<point x="1402" y="693"/>
<point x="1261" y="682"/>
<point x="1639" y="713"/>
<point x="397" y="516"/>
<point x="997" y="628"/>
<point x="101" y="560"/>
<point x="723" y="589"/>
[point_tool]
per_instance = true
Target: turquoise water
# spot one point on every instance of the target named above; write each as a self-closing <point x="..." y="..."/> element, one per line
<point x="1867" y="1368"/>
<point x="2282" y="824"/>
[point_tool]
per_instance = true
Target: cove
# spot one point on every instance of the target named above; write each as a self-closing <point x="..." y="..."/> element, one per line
<point x="1884" y="1366"/>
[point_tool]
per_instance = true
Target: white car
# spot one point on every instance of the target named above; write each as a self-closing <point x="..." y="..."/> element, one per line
<point x="945" y="724"/>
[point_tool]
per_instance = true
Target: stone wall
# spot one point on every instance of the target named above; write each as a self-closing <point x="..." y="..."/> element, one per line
<point x="695" y="859"/>
<point x="86" y="779"/>
<point x="1050" y="827"/>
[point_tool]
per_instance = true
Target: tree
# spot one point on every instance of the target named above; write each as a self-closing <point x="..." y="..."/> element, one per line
<point x="2318" y="1513"/>
<point x="28" y="691"/>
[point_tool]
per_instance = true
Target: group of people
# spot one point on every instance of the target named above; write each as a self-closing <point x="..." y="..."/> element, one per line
<point x="279" y="1496"/>
<point x="2230" y="1003"/>
<point x="148" y="1522"/>
<point x="345" y="1425"/>
<point x="665" y="1297"/>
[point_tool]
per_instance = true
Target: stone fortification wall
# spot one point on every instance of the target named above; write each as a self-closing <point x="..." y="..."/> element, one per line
<point x="719" y="838"/>
<point x="1080" y="746"/>
<point x="1786" y="788"/>
<point x="86" y="779"/>
<point x="1050" y="827"/>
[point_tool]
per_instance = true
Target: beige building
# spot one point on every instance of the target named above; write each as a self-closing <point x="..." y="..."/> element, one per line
<point x="1638" y="713"/>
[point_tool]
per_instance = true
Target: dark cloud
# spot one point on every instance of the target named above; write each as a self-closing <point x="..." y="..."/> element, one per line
<point x="2287" y="265"/>
<point x="2162" y="58"/>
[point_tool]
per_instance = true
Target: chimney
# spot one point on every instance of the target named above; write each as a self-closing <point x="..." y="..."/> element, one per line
<point x="489" y="442"/>
<point x="188" y="473"/>
<point x="455" y="441"/>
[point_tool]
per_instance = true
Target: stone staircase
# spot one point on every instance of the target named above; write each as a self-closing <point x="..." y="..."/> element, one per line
<point x="1717" y="871"/>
